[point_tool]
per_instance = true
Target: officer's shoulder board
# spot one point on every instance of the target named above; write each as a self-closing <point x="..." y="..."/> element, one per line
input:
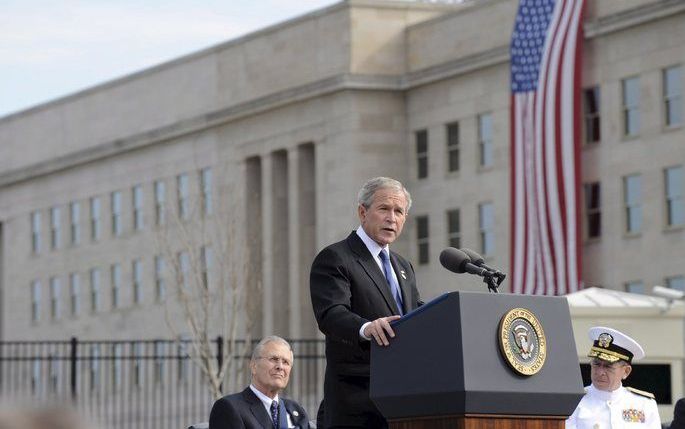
<point x="640" y="392"/>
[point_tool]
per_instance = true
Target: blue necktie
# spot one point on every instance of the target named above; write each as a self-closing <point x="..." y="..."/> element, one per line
<point x="274" y="413"/>
<point x="392" y="283"/>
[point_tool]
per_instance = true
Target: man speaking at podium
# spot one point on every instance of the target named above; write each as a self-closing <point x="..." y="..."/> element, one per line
<point x="358" y="286"/>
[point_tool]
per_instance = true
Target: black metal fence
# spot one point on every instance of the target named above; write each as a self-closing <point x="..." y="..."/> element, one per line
<point x="137" y="384"/>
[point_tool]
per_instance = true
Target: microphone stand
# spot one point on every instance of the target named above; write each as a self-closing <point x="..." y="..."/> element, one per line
<point x="493" y="280"/>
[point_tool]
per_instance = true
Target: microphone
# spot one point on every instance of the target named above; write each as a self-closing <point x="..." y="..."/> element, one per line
<point x="459" y="262"/>
<point x="478" y="260"/>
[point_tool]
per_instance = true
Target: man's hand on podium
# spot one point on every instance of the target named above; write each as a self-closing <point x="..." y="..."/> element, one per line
<point x="380" y="329"/>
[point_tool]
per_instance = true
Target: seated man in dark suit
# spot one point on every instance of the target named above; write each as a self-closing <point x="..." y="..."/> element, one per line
<point x="259" y="406"/>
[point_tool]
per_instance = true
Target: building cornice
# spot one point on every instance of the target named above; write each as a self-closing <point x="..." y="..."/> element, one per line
<point x="456" y="67"/>
<point x="632" y="17"/>
<point x="202" y="122"/>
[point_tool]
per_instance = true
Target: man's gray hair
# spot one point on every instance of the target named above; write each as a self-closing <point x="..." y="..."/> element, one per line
<point x="257" y="351"/>
<point x="365" y="196"/>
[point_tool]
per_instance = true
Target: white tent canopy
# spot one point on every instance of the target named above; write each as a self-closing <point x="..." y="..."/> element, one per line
<point x="655" y="322"/>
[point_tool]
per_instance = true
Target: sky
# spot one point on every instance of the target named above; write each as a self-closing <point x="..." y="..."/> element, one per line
<point x="53" y="48"/>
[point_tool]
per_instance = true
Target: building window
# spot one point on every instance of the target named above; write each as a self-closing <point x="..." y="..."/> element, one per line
<point x="55" y="228"/>
<point x="675" y="196"/>
<point x="632" y="199"/>
<point x="35" y="301"/>
<point x="137" y="194"/>
<point x="53" y="373"/>
<point x="591" y="115"/>
<point x="183" y="359"/>
<point x="75" y="294"/>
<point x="673" y="96"/>
<point x="36" y="375"/>
<point x="137" y="275"/>
<point x="453" y="228"/>
<point x="95" y="218"/>
<point x="636" y="286"/>
<point x="160" y="196"/>
<point x="422" y="239"/>
<point x="160" y="286"/>
<point x="421" y="154"/>
<point x="137" y="372"/>
<point x="486" y="224"/>
<point x="206" y="184"/>
<point x="94" y="366"/>
<point x="206" y="265"/>
<point x="116" y="213"/>
<point x="631" y="106"/>
<point x="485" y="139"/>
<point x="676" y="282"/>
<point x="75" y="222"/>
<point x="115" y="273"/>
<point x="35" y="232"/>
<point x="183" y="203"/>
<point x="116" y="366"/>
<point x="184" y="265"/>
<point x="593" y="210"/>
<point x="54" y="298"/>
<point x="453" y="147"/>
<point x="159" y="362"/>
<point x="95" y="290"/>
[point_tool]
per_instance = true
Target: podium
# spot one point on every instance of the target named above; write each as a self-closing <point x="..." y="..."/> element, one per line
<point x="446" y="366"/>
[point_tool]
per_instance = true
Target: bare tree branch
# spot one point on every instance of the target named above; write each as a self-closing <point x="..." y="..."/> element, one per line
<point x="208" y="271"/>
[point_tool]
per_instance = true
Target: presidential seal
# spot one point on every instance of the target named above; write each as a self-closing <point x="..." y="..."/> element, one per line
<point x="522" y="341"/>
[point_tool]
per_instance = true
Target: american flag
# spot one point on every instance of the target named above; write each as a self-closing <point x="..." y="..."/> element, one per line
<point x="545" y="136"/>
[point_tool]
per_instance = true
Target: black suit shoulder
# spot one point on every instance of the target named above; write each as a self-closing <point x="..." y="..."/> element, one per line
<point x="244" y="410"/>
<point x="229" y="412"/>
<point x="678" y="415"/>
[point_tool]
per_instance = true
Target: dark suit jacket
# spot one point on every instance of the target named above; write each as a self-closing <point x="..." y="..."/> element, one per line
<point x="349" y="289"/>
<point x="679" y="415"/>
<point x="244" y="410"/>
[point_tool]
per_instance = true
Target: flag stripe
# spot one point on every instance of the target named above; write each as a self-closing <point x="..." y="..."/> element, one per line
<point x="545" y="153"/>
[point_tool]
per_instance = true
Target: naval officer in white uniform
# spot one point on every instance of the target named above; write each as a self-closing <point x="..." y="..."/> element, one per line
<point x="607" y="404"/>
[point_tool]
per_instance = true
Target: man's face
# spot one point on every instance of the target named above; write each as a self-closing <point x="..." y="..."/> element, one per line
<point x="607" y="376"/>
<point x="384" y="218"/>
<point x="271" y="370"/>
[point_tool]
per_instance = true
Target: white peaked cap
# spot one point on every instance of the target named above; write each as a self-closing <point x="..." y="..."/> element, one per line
<point x="612" y="345"/>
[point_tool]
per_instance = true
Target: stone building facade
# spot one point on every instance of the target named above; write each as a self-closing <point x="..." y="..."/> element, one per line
<point x="278" y="129"/>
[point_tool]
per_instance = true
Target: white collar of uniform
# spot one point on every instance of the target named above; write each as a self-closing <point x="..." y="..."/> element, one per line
<point x="373" y="247"/>
<point x="265" y="399"/>
<point x="606" y="396"/>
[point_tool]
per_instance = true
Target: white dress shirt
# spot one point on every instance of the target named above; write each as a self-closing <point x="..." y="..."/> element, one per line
<point x="266" y="401"/>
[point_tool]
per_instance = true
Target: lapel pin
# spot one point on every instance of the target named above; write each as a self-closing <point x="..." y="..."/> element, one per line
<point x="295" y="413"/>
<point x="404" y="276"/>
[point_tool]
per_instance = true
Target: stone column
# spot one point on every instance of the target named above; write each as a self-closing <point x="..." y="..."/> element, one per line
<point x="307" y="221"/>
<point x="254" y="242"/>
<point x="267" y="249"/>
<point x="277" y="240"/>
<point x="294" y="229"/>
